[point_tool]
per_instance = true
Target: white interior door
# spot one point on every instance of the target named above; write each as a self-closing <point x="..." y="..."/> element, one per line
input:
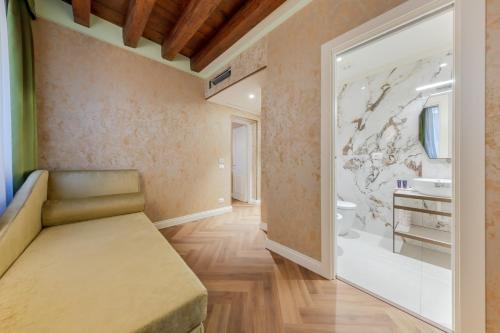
<point x="240" y="163"/>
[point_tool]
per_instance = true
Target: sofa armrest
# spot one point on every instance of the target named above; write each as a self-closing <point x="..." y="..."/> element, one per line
<point x="21" y="221"/>
<point x="57" y="212"/>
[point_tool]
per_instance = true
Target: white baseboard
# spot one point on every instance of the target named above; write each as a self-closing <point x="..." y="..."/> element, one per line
<point x="192" y="217"/>
<point x="297" y="257"/>
<point x="254" y="202"/>
<point x="263" y="226"/>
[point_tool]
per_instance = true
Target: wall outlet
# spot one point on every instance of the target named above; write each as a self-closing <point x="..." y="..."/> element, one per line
<point x="221" y="200"/>
<point x="221" y="166"/>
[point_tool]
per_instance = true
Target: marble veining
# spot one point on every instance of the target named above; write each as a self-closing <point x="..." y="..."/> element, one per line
<point x="377" y="139"/>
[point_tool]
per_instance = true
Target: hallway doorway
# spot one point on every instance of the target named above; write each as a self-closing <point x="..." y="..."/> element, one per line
<point x="241" y="164"/>
<point x="244" y="98"/>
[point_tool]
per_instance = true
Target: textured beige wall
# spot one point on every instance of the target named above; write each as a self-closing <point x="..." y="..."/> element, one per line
<point x="101" y="107"/>
<point x="291" y="118"/>
<point x="493" y="165"/>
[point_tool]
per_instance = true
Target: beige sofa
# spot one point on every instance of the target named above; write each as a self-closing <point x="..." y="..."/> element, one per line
<point x="77" y="254"/>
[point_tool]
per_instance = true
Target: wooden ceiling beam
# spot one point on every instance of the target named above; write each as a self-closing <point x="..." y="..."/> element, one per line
<point x="81" y="12"/>
<point x="238" y="25"/>
<point x="191" y="20"/>
<point x="137" y="18"/>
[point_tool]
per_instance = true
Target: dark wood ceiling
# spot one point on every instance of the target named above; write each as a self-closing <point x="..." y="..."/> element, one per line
<point x="198" y="29"/>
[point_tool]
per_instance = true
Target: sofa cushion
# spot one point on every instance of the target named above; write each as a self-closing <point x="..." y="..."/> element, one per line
<point x="57" y="212"/>
<point x="74" y="184"/>
<point x="21" y="221"/>
<point x="117" y="274"/>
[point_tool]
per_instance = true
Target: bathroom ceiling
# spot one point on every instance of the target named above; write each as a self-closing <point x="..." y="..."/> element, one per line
<point x="244" y="95"/>
<point x="198" y="29"/>
<point x="428" y="37"/>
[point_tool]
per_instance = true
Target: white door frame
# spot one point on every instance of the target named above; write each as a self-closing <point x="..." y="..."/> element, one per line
<point x="250" y="160"/>
<point x="468" y="147"/>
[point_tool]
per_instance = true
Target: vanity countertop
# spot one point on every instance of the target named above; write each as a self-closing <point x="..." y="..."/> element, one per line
<point x="411" y="193"/>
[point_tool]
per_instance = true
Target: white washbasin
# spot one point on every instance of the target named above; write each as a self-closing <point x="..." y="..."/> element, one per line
<point x="432" y="186"/>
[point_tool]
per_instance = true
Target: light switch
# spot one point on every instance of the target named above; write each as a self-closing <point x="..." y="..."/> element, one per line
<point x="221" y="161"/>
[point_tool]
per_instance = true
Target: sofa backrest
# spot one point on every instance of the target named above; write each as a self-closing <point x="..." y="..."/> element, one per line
<point x="76" y="196"/>
<point x="21" y="221"/>
<point x="83" y="184"/>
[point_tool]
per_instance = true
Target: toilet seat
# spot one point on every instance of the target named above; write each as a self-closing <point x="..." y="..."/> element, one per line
<point x="345" y="221"/>
<point x="346" y="205"/>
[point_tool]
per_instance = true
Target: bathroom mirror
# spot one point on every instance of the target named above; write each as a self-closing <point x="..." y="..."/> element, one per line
<point x="435" y="125"/>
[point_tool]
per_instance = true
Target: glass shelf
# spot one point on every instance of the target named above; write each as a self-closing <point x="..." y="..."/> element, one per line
<point x="417" y="232"/>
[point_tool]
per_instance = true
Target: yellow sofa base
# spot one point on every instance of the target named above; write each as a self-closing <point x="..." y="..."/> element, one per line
<point x="116" y="274"/>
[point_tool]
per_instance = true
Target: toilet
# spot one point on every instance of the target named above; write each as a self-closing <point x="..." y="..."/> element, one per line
<point x="344" y="222"/>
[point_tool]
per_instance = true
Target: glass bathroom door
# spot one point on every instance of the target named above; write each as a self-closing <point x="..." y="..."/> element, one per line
<point x="393" y="111"/>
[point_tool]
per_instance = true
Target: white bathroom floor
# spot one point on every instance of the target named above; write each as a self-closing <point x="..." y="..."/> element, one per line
<point x="416" y="278"/>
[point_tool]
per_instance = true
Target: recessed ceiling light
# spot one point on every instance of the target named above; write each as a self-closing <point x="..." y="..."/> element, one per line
<point x="363" y="88"/>
<point x="251" y="96"/>
<point x="434" y="85"/>
<point x="443" y="65"/>
<point x="339" y="59"/>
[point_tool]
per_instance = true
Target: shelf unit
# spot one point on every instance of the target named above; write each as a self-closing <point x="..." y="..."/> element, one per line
<point x="416" y="232"/>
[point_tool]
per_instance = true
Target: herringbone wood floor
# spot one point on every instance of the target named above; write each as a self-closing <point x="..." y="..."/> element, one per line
<point x="253" y="290"/>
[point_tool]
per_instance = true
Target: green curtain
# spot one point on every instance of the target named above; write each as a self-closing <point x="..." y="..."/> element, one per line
<point x="22" y="91"/>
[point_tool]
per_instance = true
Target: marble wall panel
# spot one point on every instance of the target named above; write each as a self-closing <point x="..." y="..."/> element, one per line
<point x="377" y="138"/>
